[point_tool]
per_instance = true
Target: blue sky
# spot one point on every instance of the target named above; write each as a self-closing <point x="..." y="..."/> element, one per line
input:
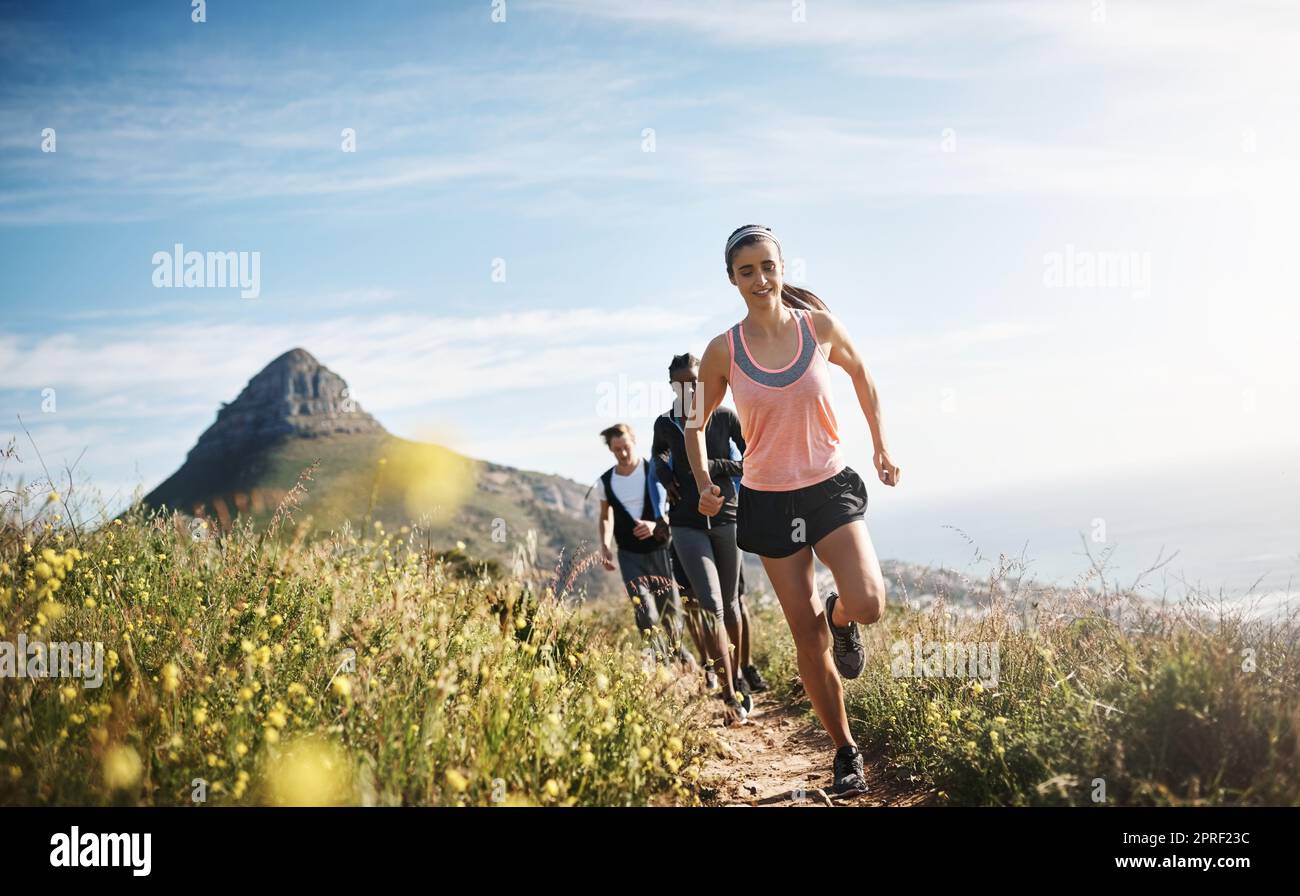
<point x="923" y="163"/>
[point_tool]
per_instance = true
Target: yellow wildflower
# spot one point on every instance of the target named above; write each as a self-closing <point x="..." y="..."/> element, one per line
<point x="122" y="768"/>
<point x="171" y="677"/>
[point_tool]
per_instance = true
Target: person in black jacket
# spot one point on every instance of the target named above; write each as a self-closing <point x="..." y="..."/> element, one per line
<point x="707" y="547"/>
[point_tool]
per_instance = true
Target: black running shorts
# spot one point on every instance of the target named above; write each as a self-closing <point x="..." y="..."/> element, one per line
<point x="778" y="524"/>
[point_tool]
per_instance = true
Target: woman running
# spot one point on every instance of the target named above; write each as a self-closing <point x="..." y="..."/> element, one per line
<point x="797" y="495"/>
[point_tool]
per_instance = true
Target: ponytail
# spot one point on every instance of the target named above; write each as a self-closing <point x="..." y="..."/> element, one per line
<point x="798" y="297"/>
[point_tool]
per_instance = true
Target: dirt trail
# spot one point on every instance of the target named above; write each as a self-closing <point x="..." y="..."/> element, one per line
<point x="782" y="757"/>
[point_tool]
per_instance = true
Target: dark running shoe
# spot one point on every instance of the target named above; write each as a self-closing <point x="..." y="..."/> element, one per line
<point x="736" y="711"/>
<point x="754" y="679"/>
<point x="849" y="778"/>
<point x="846" y="643"/>
<point x="742" y="693"/>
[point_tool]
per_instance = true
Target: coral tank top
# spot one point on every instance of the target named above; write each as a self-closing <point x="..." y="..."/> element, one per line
<point x="793" y="439"/>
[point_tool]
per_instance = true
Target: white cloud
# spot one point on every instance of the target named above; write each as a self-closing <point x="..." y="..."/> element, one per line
<point x="955" y="341"/>
<point x="943" y="38"/>
<point x="560" y="137"/>
<point x="391" y="360"/>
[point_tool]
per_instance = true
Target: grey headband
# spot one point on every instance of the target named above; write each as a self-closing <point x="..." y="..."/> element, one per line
<point x="750" y="231"/>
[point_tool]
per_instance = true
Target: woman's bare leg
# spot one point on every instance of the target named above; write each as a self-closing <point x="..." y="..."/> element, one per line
<point x="792" y="577"/>
<point x="851" y="557"/>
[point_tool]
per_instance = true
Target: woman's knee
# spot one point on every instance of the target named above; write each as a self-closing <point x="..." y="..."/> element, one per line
<point x="864" y="601"/>
<point x="811" y="637"/>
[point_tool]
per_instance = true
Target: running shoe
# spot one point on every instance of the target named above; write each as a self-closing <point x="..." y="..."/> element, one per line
<point x="849" y="778"/>
<point x="850" y="656"/>
<point x="737" y="714"/>
<point x="711" y="681"/>
<point x="743" y="694"/>
<point x="754" y="679"/>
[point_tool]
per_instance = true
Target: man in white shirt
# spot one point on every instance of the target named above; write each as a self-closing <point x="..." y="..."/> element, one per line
<point x="632" y="511"/>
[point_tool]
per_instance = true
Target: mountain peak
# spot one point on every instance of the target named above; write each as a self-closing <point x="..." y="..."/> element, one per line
<point x="296" y="412"/>
<point x="294" y="357"/>
<point x="294" y="395"/>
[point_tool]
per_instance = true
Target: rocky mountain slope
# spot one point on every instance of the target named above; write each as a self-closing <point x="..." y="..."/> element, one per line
<point x="296" y="412"/>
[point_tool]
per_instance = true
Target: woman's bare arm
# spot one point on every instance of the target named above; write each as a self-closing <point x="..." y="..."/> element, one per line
<point x="710" y="389"/>
<point x="844" y="354"/>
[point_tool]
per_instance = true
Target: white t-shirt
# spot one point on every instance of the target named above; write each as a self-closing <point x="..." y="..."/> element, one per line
<point x="630" y="490"/>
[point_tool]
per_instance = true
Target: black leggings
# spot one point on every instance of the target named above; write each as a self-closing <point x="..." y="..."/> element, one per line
<point x="712" y="564"/>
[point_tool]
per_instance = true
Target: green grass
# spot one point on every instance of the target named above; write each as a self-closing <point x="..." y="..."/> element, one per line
<point x="224" y="656"/>
<point x="358" y="479"/>
<point x="469" y="687"/>
<point x="1175" y="706"/>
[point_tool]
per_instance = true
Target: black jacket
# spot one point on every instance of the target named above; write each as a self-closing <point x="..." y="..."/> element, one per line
<point x="725" y="465"/>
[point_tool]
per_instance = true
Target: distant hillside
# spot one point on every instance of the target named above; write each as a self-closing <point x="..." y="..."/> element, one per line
<point x="297" y="411"/>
